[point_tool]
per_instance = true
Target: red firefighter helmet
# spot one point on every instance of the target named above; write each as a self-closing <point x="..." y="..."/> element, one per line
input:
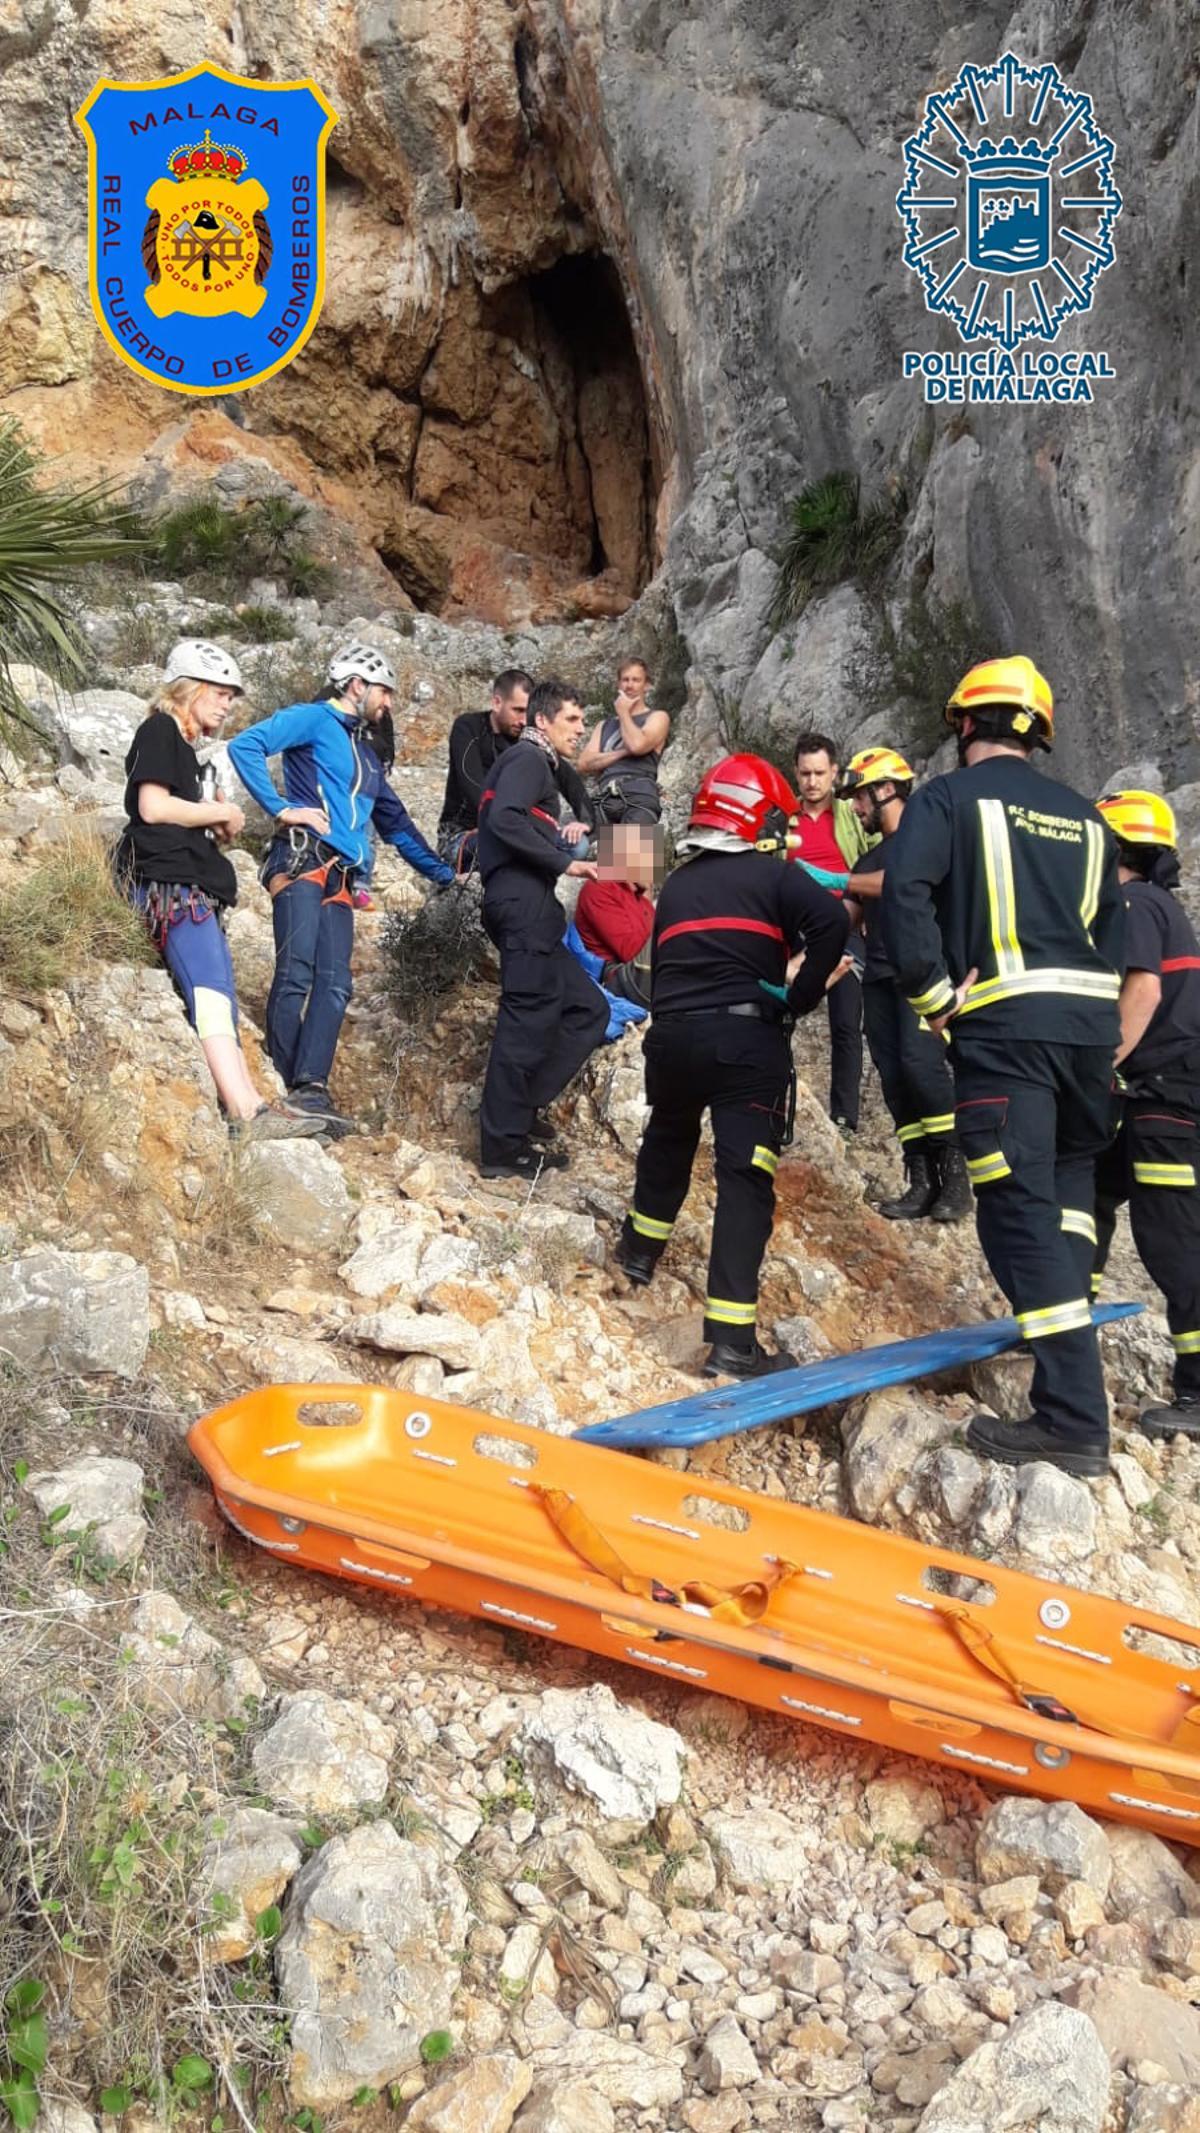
<point x="746" y="796"/>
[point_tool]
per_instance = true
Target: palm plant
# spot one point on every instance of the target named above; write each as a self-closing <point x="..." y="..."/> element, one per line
<point x="48" y="535"/>
<point x="831" y="536"/>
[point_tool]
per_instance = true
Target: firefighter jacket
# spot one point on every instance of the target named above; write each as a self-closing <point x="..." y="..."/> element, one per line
<point x="726" y="923"/>
<point x="998" y="869"/>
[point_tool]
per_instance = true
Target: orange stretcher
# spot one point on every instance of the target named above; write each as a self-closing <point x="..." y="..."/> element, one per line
<point x="1030" y="1684"/>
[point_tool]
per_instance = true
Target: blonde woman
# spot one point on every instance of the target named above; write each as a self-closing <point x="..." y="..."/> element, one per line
<point x="171" y="864"/>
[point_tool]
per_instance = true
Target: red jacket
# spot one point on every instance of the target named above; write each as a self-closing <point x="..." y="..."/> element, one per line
<point x="614" y="920"/>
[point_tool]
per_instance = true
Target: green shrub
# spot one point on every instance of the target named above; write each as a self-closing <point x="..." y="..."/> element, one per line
<point x="259" y="625"/>
<point x="428" y="953"/>
<point x="221" y="550"/>
<point x="50" y="536"/>
<point x="915" y="665"/>
<point x="832" y="536"/>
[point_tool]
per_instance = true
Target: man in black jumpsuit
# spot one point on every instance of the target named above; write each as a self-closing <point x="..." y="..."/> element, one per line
<point x="1154" y="1163"/>
<point x="910" y="1061"/>
<point x="726" y="925"/>
<point x="1004" y="919"/>
<point x="551" y="1014"/>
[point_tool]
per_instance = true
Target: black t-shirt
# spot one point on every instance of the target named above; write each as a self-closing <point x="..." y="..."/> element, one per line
<point x="1159" y="938"/>
<point x="877" y="965"/>
<point x="166" y="851"/>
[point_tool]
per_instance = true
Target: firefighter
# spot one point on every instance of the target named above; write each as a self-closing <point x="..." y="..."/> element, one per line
<point x="723" y="1003"/>
<point x="551" y="1014"/>
<point x="909" y="1060"/>
<point x="1153" y="1161"/>
<point x="1003" y="916"/>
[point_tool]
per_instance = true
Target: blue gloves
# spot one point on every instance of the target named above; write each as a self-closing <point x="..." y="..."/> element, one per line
<point x="621" y="1013"/>
<point x="824" y="877"/>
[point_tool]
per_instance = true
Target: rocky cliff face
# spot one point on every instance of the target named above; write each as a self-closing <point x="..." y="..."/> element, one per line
<point x="610" y="282"/>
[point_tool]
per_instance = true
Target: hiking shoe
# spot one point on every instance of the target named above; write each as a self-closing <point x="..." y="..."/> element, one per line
<point x="1020" y="1443"/>
<point x="636" y="1261"/>
<point x="1180" y="1419"/>
<point x="313" y="1100"/>
<point x="727" y="1361"/>
<point x="845" y="1128"/>
<point x="527" y="1162"/>
<point x="274" y="1122"/>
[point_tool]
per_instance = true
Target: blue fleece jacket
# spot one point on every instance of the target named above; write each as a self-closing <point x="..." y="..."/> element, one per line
<point x="327" y="763"/>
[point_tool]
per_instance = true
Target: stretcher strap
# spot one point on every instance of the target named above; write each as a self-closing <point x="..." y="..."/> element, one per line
<point x="740" y="1604"/>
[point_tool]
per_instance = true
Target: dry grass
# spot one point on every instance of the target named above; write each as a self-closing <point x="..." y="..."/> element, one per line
<point x="105" y="1803"/>
<point x="62" y="914"/>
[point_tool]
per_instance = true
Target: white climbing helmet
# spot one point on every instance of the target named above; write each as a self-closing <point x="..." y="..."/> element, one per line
<point x="364" y="659"/>
<point x="195" y="659"/>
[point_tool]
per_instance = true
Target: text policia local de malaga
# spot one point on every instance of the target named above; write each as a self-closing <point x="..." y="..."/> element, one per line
<point x="296" y="293"/>
<point x="991" y="376"/>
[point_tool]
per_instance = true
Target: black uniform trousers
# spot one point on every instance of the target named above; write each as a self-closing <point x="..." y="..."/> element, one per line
<point x="740" y="1070"/>
<point x="912" y="1064"/>
<point x="1154" y="1163"/>
<point x="1031" y="1119"/>
<point x="845" y="1004"/>
<point x="551" y="1014"/>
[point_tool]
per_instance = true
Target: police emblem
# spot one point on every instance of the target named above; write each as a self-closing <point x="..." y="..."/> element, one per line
<point x="1009" y="203"/>
<point x="187" y="281"/>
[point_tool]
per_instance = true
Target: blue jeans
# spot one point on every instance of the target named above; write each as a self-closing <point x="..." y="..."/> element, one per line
<point x="310" y="992"/>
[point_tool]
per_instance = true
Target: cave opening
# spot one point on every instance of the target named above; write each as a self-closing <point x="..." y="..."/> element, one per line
<point x="534" y="437"/>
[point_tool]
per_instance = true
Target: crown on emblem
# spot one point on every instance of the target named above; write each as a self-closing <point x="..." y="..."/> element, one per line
<point x="1008" y="160"/>
<point x="206" y="159"/>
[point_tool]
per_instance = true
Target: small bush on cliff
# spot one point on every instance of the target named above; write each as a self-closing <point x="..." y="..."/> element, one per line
<point x="832" y="536"/>
<point x="49" y="535"/>
<point x="220" y="551"/>
<point x="428" y="953"/>
<point x="63" y="914"/>
<point x="917" y="661"/>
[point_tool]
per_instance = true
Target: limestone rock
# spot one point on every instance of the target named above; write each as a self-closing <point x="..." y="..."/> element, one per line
<point x="100" y="1494"/>
<point x="387" y="1260"/>
<point x="1056" y="1515"/>
<point x="1057" y="1842"/>
<point x="629" y="1765"/>
<point x="758" y="1850"/>
<point x="65" y="2118"/>
<point x="1148" y="1883"/>
<point x="483" y="2097"/>
<point x="564" y="2107"/>
<point x="95" y="728"/>
<point x="453" y="1340"/>
<point x="300" y="1193"/>
<point x="249" y="1859"/>
<point x="176" y="1666"/>
<point x="1137" y="2021"/>
<point x="884" y="1434"/>
<point x="618" y="2071"/>
<point x="903" y="1809"/>
<point x="76" y="1312"/>
<point x="365" y="1962"/>
<point x="583" y="1858"/>
<point x="726" y="2060"/>
<point x="1049" y="2074"/>
<point x="808" y="677"/>
<point x="324" y="1755"/>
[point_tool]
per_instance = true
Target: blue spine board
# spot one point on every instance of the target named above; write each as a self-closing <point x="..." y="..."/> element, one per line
<point x="734" y="1408"/>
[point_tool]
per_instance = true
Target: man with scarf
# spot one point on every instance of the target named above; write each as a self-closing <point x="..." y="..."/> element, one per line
<point x="551" y="1014"/>
<point x="1153" y="1161"/>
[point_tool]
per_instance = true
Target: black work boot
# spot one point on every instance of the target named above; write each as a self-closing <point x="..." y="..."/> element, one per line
<point x="920" y="1192"/>
<point x="726" y="1359"/>
<point x="527" y="1162"/>
<point x="637" y="1259"/>
<point x="1180" y="1419"/>
<point x="1020" y="1443"/>
<point x="954" y="1196"/>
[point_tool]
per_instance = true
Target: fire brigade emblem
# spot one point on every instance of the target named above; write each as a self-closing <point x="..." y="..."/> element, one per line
<point x="207" y="244"/>
<point x="190" y="178"/>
